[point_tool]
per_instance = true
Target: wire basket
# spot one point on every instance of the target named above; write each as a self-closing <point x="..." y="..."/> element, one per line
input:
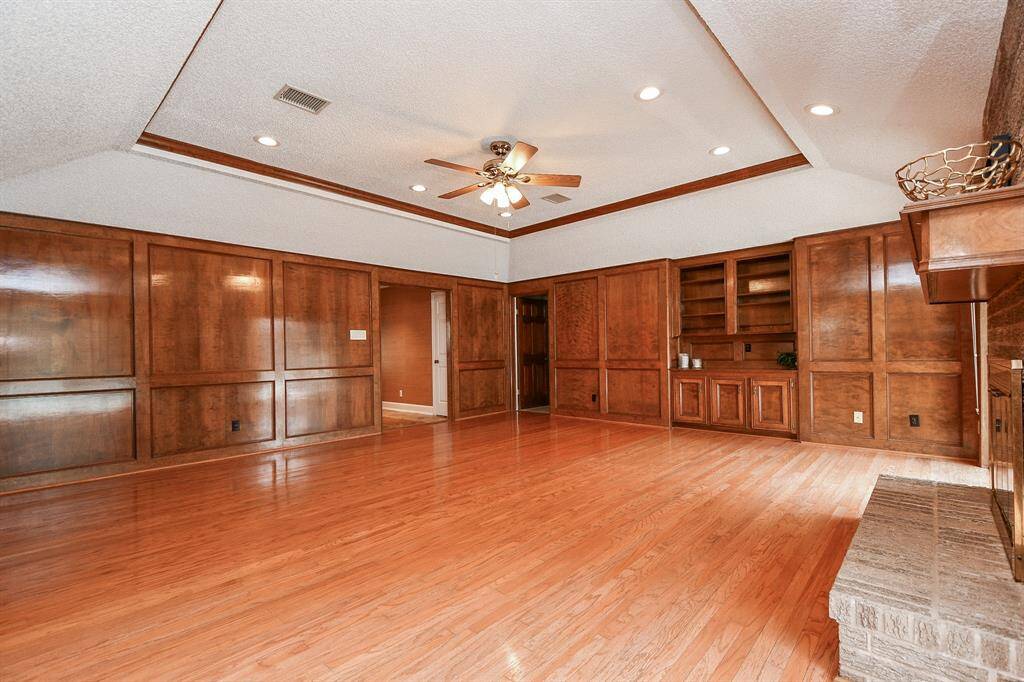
<point x="972" y="167"/>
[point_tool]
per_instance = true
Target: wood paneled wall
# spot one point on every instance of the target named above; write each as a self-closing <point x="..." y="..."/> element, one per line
<point x="869" y="342"/>
<point x="406" y="353"/>
<point x="123" y="350"/>
<point x="609" y="342"/>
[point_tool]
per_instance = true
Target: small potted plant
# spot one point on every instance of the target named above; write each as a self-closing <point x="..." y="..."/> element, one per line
<point x="787" y="360"/>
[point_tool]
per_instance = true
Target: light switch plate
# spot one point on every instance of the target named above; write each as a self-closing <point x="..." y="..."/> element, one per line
<point x="858" y="417"/>
<point x="357" y="334"/>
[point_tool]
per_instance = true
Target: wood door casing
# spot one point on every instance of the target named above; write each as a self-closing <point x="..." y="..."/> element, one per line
<point x="689" y="400"/>
<point x="771" y="404"/>
<point x="728" y="398"/>
<point x="532" y="348"/>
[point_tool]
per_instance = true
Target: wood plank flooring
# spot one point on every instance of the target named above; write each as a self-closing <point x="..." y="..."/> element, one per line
<point x="529" y="547"/>
<point x="396" y="419"/>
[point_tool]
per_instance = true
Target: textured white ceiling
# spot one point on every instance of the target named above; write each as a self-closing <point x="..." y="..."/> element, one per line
<point x="414" y="80"/>
<point x="78" y="76"/>
<point x="909" y="76"/>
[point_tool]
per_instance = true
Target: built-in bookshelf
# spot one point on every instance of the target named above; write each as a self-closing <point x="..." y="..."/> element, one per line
<point x="702" y="302"/>
<point x="763" y="294"/>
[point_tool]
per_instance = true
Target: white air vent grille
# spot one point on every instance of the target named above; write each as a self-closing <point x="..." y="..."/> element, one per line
<point x="556" y="198"/>
<point x="302" y="100"/>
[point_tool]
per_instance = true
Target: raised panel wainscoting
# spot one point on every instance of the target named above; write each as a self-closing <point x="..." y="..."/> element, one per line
<point x="608" y="334"/>
<point x="137" y="350"/>
<point x="879" y="366"/>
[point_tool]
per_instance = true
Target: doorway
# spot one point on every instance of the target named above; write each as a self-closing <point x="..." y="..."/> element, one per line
<point x="532" y="386"/>
<point x="414" y="355"/>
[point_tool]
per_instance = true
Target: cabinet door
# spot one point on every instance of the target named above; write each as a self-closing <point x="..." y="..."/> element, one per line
<point x="728" y="401"/>
<point x="771" y="404"/>
<point x="689" y="400"/>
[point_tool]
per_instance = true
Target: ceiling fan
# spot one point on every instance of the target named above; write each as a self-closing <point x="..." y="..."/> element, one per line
<point x="500" y="176"/>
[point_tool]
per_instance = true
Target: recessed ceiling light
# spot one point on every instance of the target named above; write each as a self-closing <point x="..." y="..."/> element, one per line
<point x="821" y="109"/>
<point x="506" y="214"/>
<point x="648" y="93"/>
<point x="266" y="140"/>
<point x="418" y="188"/>
<point x="720" y="151"/>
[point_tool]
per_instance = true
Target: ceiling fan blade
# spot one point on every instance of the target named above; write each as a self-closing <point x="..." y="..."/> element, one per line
<point x="522" y="203"/>
<point x="552" y="180"/>
<point x="454" y="166"/>
<point x="518" y="157"/>
<point x="459" y="192"/>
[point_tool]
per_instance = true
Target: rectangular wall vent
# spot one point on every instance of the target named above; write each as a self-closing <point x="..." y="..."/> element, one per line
<point x="556" y="198"/>
<point x="303" y="100"/>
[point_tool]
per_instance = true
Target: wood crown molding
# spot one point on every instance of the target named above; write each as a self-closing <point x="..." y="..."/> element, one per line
<point x="167" y="144"/>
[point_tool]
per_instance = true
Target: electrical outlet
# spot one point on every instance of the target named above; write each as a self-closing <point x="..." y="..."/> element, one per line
<point x="746" y="347"/>
<point x="593" y="397"/>
<point x="915" y="420"/>
<point x="236" y="425"/>
<point x="858" y="417"/>
<point x="401" y="393"/>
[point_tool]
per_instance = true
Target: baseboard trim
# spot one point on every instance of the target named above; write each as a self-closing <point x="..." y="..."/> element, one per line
<point x="408" y="407"/>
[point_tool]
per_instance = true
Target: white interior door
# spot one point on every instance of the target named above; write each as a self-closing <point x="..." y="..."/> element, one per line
<point x="439" y="347"/>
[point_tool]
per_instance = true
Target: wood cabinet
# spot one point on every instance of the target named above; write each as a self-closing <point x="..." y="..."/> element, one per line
<point x="728" y="401"/>
<point x="758" y="401"/>
<point x="771" y="404"/>
<point x="689" y="399"/>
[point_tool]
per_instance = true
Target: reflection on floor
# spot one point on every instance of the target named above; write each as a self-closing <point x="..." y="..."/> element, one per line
<point x="395" y="419"/>
<point x="543" y="409"/>
<point x="498" y="547"/>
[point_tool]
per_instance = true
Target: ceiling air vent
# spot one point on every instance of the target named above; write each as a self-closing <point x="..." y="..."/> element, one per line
<point x="302" y="100"/>
<point x="556" y="198"/>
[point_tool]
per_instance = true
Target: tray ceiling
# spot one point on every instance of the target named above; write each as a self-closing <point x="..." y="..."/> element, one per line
<point x="410" y="81"/>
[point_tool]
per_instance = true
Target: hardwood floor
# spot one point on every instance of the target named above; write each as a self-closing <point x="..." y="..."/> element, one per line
<point x="526" y="547"/>
<point x="396" y="419"/>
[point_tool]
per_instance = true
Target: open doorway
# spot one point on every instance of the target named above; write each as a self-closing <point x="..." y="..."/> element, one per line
<point x="532" y="353"/>
<point x="414" y="355"/>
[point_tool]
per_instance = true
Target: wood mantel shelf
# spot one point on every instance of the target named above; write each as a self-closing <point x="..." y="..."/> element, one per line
<point x="967" y="247"/>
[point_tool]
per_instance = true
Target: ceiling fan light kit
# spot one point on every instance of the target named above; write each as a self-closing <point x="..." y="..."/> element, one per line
<point x="501" y="176"/>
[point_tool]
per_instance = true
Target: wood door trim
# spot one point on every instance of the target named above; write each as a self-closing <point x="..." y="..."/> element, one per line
<point x="194" y="151"/>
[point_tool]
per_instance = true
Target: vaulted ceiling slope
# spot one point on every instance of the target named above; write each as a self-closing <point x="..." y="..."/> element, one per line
<point x="81" y="76"/>
<point x="908" y="76"/>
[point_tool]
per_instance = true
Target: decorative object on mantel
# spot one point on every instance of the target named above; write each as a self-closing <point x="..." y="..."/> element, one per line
<point x="696" y="362"/>
<point x="972" y="167"/>
<point x="787" y="360"/>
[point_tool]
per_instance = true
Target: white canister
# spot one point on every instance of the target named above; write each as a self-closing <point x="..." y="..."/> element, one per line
<point x="696" y="363"/>
<point x="684" y="360"/>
